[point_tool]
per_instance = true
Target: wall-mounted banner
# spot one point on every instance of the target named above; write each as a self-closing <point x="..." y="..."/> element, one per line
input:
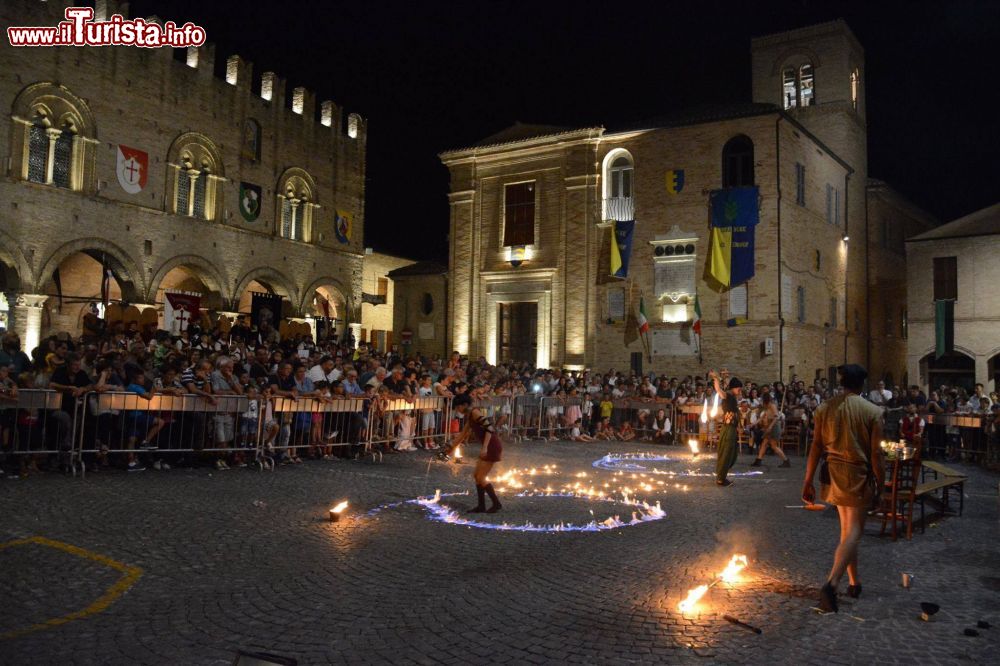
<point x="133" y="168"/>
<point x="734" y="216"/>
<point x="342" y="226"/>
<point x="180" y="309"/>
<point x="675" y="181"/>
<point x="249" y="201"/>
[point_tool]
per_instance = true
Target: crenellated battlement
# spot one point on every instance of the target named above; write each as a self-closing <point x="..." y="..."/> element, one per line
<point x="238" y="72"/>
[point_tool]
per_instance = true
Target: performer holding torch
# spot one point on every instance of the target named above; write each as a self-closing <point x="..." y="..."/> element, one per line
<point x="480" y="427"/>
<point x="728" y="446"/>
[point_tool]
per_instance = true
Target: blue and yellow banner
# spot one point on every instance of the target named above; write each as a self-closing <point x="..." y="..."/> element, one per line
<point x="734" y="216"/>
<point x="621" y="247"/>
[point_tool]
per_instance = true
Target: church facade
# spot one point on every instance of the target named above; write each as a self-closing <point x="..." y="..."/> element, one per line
<point x="534" y="210"/>
<point x="145" y="164"/>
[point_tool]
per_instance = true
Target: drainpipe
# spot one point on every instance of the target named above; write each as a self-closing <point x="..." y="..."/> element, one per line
<point x="781" y="315"/>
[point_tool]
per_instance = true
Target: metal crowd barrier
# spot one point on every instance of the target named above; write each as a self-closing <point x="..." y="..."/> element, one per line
<point x="526" y="416"/>
<point x="36" y="427"/>
<point x="404" y="423"/>
<point x="164" y="427"/>
<point x="313" y="423"/>
<point x="558" y="415"/>
<point x="500" y="409"/>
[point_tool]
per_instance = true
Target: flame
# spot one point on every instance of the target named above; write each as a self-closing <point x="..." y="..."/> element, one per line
<point x="704" y="411"/>
<point x="340" y="507"/>
<point x="693" y="443"/>
<point x="457" y="452"/>
<point x="692" y="599"/>
<point x="715" y="406"/>
<point x="731" y="574"/>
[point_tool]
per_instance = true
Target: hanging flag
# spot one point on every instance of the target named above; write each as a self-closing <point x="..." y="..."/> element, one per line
<point x="643" y="321"/>
<point x="57" y="279"/>
<point x="944" y="327"/>
<point x="735" y="213"/>
<point x="249" y="201"/>
<point x="621" y="247"/>
<point x="736" y="321"/>
<point x="133" y="167"/>
<point x="180" y="309"/>
<point x="342" y="226"/>
<point x="265" y="310"/>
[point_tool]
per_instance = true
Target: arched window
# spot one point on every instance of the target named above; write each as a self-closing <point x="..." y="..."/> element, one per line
<point x="798" y="86"/>
<point x="737" y="162"/>
<point x="855" y="83"/>
<point x="296" y="201"/>
<point x="57" y="144"/>
<point x="619" y="203"/>
<point x="192" y="180"/>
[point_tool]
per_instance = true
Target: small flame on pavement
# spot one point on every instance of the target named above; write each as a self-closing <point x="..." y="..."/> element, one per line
<point x="731" y="574"/>
<point x="693" y="597"/>
<point x="693" y="443"/>
<point x="340" y="507"/>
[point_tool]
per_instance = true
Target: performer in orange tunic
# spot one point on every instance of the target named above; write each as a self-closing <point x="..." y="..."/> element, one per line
<point x="480" y="427"/>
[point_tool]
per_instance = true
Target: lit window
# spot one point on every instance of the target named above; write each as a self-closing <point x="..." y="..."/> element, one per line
<point x="618" y="181"/>
<point x="806" y="92"/>
<point x="196" y="172"/>
<point x="789" y="91"/>
<point x="855" y="82"/>
<point x="295" y="205"/>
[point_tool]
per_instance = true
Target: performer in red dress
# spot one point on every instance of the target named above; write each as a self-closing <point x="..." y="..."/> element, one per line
<point x="480" y="427"/>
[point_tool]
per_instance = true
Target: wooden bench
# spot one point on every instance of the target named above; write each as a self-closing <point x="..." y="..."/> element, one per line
<point x="945" y="479"/>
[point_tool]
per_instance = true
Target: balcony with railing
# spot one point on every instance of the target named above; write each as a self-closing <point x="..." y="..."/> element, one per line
<point x="619" y="209"/>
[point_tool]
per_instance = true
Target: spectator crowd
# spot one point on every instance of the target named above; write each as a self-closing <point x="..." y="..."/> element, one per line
<point x="240" y="360"/>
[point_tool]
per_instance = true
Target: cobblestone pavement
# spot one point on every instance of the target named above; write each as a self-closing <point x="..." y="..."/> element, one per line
<point x="245" y="560"/>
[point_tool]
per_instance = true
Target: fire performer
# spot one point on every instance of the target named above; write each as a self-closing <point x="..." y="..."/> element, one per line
<point x="848" y="429"/>
<point x="480" y="426"/>
<point x="728" y="446"/>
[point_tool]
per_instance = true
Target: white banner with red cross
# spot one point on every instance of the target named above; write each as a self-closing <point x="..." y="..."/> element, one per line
<point x="180" y="308"/>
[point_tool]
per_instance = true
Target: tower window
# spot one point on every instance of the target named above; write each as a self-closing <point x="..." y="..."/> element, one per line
<point x="806" y="92"/>
<point x="737" y="162"/>
<point x="855" y="82"/>
<point x="38" y="153"/>
<point x="798" y="86"/>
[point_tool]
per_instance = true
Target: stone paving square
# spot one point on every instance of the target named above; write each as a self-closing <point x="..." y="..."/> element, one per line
<point x="247" y="560"/>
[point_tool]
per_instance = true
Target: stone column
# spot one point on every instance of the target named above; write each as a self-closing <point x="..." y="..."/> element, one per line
<point x="26" y="313"/>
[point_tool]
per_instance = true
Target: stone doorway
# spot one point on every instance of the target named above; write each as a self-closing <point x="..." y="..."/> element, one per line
<point x="518" y="335"/>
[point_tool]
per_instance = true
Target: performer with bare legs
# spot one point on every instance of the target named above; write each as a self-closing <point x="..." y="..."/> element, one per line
<point x="480" y="427"/>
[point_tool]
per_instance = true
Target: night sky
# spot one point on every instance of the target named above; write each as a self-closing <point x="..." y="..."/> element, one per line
<point x="430" y="76"/>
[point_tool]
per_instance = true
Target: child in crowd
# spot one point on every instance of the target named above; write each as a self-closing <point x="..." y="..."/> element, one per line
<point x="577" y="435"/>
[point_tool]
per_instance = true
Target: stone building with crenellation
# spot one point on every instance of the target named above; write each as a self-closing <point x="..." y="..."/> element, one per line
<point x="145" y="163"/>
<point x="533" y="208"/>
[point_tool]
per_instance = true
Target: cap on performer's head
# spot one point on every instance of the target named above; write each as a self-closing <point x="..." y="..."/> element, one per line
<point x="735" y="383"/>
<point x="852" y="376"/>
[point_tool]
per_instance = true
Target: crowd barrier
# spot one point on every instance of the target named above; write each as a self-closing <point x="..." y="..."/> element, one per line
<point x="525" y="416"/>
<point x="500" y="409"/>
<point x="409" y="423"/>
<point x="36" y="425"/>
<point x="320" y="424"/>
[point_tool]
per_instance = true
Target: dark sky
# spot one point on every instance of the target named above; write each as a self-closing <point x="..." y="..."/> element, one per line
<point x="432" y="75"/>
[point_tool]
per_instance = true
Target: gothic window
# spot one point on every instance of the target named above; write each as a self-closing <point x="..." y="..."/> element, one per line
<point x="54" y="140"/>
<point x="855" y="83"/>
<point x="63" y="159"/>
<point x="296" y="201"/>
<point x="519" y="214"/>
<point x="737" y="162"/>
<point x="38" y="153"/>
<point x="194" y="175"/>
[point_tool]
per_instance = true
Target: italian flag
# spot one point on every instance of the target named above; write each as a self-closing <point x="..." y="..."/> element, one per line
<point x="643" y="322"/>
